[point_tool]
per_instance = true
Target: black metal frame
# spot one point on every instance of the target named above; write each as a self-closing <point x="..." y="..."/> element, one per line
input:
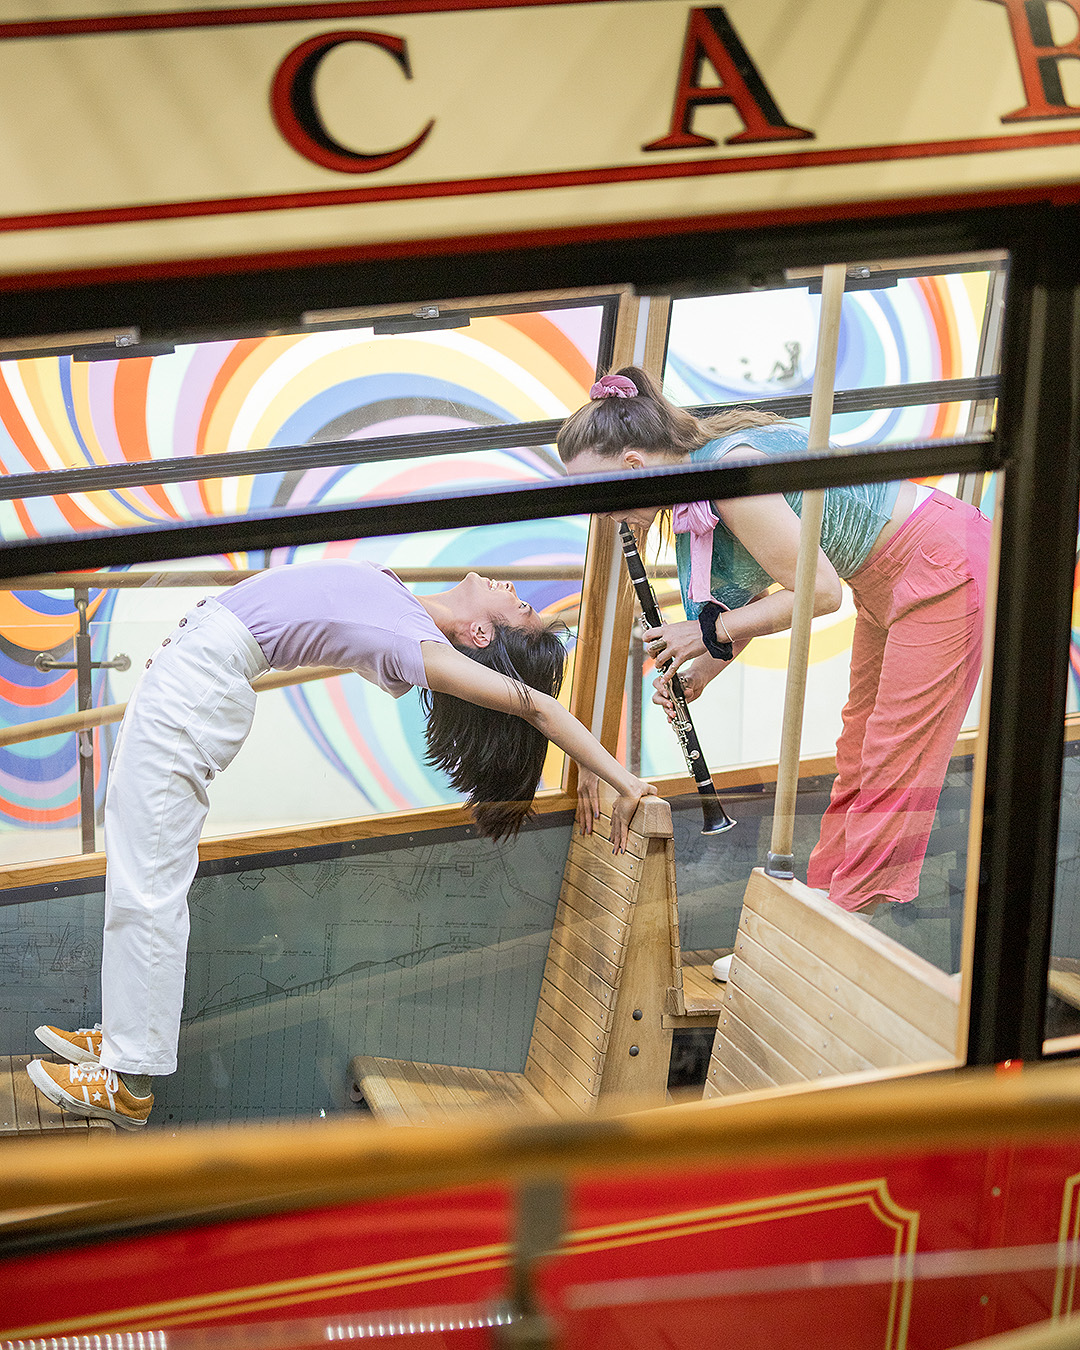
<point x="1037" y="441"/>
<point x="423" y="445"/>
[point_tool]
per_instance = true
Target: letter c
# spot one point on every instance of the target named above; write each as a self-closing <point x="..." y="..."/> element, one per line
<point x="292" y="101"/>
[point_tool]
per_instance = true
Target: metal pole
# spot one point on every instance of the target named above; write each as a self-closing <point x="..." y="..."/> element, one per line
<point x="84" y="739"/>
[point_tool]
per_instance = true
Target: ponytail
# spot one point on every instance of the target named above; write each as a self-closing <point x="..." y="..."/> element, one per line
<point x="497" y="758"/>
<point x="646" y="421"/>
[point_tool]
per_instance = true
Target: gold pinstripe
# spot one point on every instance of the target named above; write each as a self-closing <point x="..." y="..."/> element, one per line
<point x="471" y="1260"/>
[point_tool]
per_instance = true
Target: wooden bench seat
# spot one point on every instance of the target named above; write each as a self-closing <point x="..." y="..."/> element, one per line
<point x="702" y="994"/>
<point x="24" y="1110"/>
<point x="611" y="973"/>
<point x="816" y="993"/>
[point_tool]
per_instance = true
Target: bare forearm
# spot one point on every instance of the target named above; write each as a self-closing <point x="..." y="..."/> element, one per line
<point x="552" y="719"/>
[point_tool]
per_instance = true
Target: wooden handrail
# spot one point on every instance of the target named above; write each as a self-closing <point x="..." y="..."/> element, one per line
<point x="348" y="1159"/>
<point x="113" y="712"/>
<point x="111" y="581"/>
<point x="391" y="824"/>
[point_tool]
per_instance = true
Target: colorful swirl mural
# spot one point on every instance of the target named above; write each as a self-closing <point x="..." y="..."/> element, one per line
<point x="216" y="398"/>
<point x="730" y="347"/>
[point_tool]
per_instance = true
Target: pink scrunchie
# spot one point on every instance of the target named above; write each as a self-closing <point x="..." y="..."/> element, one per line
<point x="698" y="520"/>
<point x="614" y="386"/>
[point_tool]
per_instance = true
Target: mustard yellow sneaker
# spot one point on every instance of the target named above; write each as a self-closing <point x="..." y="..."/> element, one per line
<point x="79" y="1047"/>
<point x="90" y="1090"/>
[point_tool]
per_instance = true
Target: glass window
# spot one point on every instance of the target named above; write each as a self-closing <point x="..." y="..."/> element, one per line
<point x="899" y="331"/>
<point x="344" y="413"/>
<point x="333" y="748"/>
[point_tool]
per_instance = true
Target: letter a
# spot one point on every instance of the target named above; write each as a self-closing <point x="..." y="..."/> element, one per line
<point x="711" y="39"/>
<point x="1039" y="59"/>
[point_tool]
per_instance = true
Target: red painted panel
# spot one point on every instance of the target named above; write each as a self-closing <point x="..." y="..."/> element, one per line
<point x="917" y="1252"/>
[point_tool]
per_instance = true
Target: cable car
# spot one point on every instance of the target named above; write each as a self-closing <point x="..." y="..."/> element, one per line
<point x="292" y="297"/>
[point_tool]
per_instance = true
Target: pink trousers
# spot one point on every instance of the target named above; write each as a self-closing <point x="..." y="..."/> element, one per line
<point x="915" y="661"/>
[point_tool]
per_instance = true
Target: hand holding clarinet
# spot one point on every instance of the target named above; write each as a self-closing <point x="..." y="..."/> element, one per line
<point x="661" y="640"/>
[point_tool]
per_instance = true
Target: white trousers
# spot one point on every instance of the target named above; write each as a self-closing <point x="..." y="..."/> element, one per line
<point x="189" y="715"/>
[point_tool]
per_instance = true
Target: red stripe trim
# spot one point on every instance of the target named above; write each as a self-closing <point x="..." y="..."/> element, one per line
<point x="104" y="24"/>
<point x="1055" y="194"/>
<point x="464" y="187"/>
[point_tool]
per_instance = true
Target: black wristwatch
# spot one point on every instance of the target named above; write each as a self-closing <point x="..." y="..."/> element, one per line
<point x="707" y="616"/>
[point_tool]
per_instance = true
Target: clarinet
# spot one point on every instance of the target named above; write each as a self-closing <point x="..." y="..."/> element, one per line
<point x="716" y="818"/>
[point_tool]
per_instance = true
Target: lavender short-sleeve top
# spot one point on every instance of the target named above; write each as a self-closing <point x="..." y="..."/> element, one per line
<point x="352" y="615"/>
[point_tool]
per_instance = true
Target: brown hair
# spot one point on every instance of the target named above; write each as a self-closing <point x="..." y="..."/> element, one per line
<point x="649" y="422"/>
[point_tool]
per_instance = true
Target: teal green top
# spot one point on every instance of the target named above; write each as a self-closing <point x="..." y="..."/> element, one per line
<point x="853" y="518"/>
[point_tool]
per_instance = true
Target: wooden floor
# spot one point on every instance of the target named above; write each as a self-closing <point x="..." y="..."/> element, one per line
<point x="23" y="1110"/>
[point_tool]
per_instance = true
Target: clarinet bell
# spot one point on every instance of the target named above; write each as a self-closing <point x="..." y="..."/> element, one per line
<point x="716" y="819"/>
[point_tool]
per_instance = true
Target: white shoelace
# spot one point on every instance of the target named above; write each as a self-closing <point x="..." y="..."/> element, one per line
<point x="88" y="1031"/>
<point x="88" y="1073"/>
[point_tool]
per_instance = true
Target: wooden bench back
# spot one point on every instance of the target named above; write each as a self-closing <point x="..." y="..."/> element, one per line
<point x="815" y="993"/>
<point x="587" y="1041"/>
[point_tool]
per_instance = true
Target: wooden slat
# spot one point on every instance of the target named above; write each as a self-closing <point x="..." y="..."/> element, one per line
<point x="620" y="871"/>
<point x="433" y="1097"/>
<point x="616" y="902"/>
<point x="546" y="1039"/>
<point x="874" y="1034"/>
<point x="721" y="1082"/>
<point x="540" y="1058"/>
<point x="444" y="1090"/>
<point x="511" y="1090"/>
<point x="743" y="1027"/>
<point x="8" y="1122"/>
<point x="384" y="1085"/>
<point x="565" y="994"/>
<point x="417" y="1111"/>
<point x="582" y="1036"/>
<point x="27" y="1115"/>
<point x="605" y="960"/>
<point x="750" y="1060"/>
<point x="426" y="1094"/>
<point x="560" y="959"/>
<point x="599" y="841"/>
<point x="457" y="1090"/>
<point x="378" y="1095"/>
<point x="852" y="995"/>
<point x="920" y="993"/>
<point x="593" y="916"/>
<point x="806" y="1042"/>
<point x="461" y="1092"/>
<point x="551" y="1091"/>
<point x="1064" y="982"/>
<point x="703" y="995"/>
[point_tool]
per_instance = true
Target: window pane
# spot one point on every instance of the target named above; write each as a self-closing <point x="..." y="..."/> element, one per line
<point x="333" y="748"/>
<point x="914" y="330"/>
<point x="188" y="410"/>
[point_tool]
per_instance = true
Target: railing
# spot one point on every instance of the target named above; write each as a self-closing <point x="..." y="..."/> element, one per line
<point x="86" y="717"/>
<point x="336" y="1161"/>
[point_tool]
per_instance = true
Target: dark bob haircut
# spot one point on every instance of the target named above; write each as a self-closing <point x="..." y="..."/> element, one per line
<point x="496" y="758"/>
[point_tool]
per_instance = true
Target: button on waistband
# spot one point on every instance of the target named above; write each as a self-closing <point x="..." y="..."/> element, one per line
<point x="182" y="622"/>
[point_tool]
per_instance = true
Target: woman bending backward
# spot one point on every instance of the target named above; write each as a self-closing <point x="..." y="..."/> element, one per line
<point x="916" y="562"/>
<point x="489" y="670"/>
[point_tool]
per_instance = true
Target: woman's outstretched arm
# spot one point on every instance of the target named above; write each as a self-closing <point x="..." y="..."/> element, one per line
<point x="449" y="672"/>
